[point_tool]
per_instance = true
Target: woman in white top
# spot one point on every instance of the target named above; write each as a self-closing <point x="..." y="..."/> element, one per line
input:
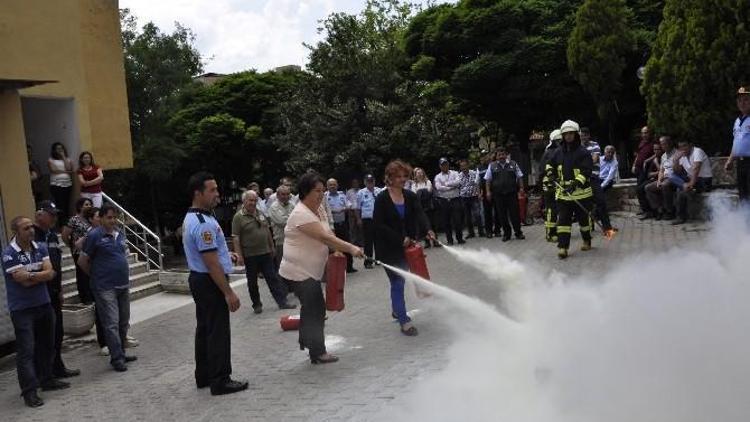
<point x="60" y="180"/>
<point x="422" y="186"/>
<point x="307" y="237"/>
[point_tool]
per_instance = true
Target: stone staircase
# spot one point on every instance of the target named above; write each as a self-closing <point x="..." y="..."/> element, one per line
<point x="142" y="282"/>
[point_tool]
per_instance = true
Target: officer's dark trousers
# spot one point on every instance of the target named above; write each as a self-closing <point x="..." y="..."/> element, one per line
<point x="212" y="336"/>
<point x="312" y="316"/>
<point x="35" y="346"/>
<point x="368" y="231"/>
<point x="566" y="210"/>
<point x="550" y="214"/>
<point x="506" y="209"/>
<point x="342" y="232"/>
<point x="452" y="214"/>
<point x="743" y="178"/>
<point x="489" y="216"/>
<point x="57" y="364"/>
<point x="263" y="264"/>
<point x="600" y="201"/>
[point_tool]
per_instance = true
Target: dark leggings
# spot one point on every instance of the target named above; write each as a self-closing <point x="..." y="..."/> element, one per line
<point x="312" y="316"/>
<point x="61" y="196"/>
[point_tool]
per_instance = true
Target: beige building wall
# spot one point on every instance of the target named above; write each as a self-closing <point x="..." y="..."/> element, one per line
<point x="14" y="186"/>
<point x="76" y="43"/>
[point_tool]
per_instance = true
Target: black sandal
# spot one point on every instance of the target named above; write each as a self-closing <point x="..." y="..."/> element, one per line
<point x="320" y="359"/>
<point x="411" y="331"/>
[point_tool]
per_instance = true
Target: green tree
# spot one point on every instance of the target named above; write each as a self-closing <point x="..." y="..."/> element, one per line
<point x="157" y="65"/>
<point x="597" y="51"/>
<point x="698" y="60"/>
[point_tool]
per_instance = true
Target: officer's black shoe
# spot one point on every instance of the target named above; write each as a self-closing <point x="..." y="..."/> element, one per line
<point x="131" y="358"/>
<point x="449" y="243"/>
<point x="287" y="306"/>
<point x="679" y="221"/>
<point x="119" y="366"/>
<point x="351" y="270"/>
<point x="461" y="241"/>
<point x="258" y="309"/>
<point x="228" y="387"/>
<point x="32" y="399"/>
<point x="55" y="384"/>
<point x="646" y="216"/>
<point x="471" y="236"/>
<point x="66" y="373"/>
<point x="506" y="238"/>
<point x="520" y="236"/>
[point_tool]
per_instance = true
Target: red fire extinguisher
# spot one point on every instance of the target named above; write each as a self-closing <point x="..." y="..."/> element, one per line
<point x="335" y="279"/>
<point x="523" y="201"/>
<point x="289" y="322"/>
<point x="416" y="259"/>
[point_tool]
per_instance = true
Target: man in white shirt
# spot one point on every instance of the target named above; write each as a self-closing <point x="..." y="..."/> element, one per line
<point x="446" y="185"/>
<point x="660" y="193"/>
<point x="355" y="227"/>
<point x="278" y="213"/>
<point x="694" y="166"/>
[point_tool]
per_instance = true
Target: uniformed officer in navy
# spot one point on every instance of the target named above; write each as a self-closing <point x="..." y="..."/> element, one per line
<point x="504" y="179"/>
<point x="210" y="262"/>
<point x="340" y="206"/>
<point x="741" y="144"/>
<point x="45" y="221"/>
<point x="27" y="270"/>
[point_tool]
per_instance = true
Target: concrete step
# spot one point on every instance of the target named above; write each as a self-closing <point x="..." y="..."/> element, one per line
<point x="69" y="284"/>
<point x="141" y="285"/>
<point x="147" y="289"/>
<point x="69" y="269"/>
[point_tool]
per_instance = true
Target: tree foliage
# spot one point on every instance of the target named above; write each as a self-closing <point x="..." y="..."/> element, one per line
<point x="695" y="67"/>
<point x="597" y="50"/>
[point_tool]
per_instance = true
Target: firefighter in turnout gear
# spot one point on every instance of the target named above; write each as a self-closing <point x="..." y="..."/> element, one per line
<point x="549" y="189"/>
<point x="569" y="170"/>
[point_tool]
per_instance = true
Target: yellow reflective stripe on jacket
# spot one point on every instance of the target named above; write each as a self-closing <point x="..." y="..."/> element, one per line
<point x="578" y="176"/>
<point x="577" y="194"/>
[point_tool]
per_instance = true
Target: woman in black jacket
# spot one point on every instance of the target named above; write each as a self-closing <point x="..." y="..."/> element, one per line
<point x="398" y="217"/>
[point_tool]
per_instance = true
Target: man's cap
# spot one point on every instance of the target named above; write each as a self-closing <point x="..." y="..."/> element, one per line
<point x="443" y="161"/>
<point x="555" y="135"/>
<point x="48" y="206"/>
<point x="743" y="90"/>
<point x="369" y="177"/>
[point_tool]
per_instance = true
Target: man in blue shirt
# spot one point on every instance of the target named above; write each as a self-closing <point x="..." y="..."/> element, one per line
<point x="104" y="258"/>
<point x="366" y="207"/>
<point x="741" y="144"/>
<point x="210" y="262"/>
<point x="339" y="207"/>
<point x="27" y="269"/>
<point x="45" y="221"/>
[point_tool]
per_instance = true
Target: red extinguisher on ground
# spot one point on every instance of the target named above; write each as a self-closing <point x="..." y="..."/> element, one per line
<point x="523" y="202"/>
<point x="417" y="261"/>
<point x="335" y="279"/>
<point x="289" y="322"/>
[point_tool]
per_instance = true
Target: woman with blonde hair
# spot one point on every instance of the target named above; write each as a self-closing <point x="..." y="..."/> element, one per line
<point x="422" y="186"/>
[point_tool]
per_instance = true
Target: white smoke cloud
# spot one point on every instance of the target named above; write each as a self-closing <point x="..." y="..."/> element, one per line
<point x="664" y="337"/>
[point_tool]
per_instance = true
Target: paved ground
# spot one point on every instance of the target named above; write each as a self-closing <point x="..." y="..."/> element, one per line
<point x="378" y="364"/>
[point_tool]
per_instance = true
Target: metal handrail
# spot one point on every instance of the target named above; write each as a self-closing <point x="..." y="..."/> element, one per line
<point x="144" y="238"/>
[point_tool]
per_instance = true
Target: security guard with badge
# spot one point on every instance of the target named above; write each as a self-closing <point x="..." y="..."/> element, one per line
<point x="210" y="262"/>
<point x="569" y="171"/>
<point x="45" y="221"/>
<point x="741" y="144"/>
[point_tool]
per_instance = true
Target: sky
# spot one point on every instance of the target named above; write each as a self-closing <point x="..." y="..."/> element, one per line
<point x="237" y="35"/>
